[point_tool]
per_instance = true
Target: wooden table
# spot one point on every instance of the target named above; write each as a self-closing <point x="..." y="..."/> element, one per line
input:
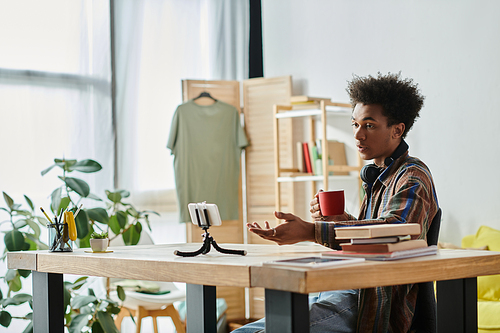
<point x="286" y="288"/>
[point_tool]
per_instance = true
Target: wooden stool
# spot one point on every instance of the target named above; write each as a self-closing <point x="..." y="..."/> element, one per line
<point x="140" y="313"/>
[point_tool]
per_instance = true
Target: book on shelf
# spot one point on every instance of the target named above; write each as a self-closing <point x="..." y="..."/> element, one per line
<point x="377" y="230"/>
<point x="313" y="150"/>
<point x="384" y="247"/>
<point x="418" y="252"/>
<point x="301" y="164"/>
<point x="378" y="240"/>
<point x="337" y="156"/>
<point x="307" y="157"/>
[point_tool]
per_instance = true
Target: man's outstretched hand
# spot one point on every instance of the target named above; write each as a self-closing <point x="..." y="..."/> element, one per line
<point x="291" y="231"/>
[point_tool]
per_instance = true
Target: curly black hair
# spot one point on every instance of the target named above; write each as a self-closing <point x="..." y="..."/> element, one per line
<point x="400" y="98"/>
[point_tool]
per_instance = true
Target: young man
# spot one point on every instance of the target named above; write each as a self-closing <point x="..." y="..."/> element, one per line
<point x="399" y="189"/>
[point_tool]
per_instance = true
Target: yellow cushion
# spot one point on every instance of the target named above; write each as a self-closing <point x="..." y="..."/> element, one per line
<point x="467" y="241"/>
<point x="488" y="319"/>
<point x="486" y="236"/>
<point x="488" y="288"/>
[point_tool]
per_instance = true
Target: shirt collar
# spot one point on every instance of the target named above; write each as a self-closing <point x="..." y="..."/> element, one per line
<point x="392" y="168"/>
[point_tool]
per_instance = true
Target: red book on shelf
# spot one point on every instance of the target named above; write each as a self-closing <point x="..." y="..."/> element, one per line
<point x="307" y="157"/>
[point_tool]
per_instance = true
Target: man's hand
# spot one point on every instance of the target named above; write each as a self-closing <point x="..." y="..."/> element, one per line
<point x="316" y="212"/>
<point x="291" y="231"/>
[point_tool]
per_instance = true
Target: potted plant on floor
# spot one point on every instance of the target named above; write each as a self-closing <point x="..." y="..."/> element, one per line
<point x="99" y="242"/>
<point x="22" y="232"/>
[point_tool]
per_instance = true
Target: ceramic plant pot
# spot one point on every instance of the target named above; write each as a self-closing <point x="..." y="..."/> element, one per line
<point x="99" y="245"/>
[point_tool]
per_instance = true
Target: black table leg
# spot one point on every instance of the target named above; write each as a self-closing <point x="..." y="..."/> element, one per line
<point x="201" y="302"/>
<point x="48" y="302"/>
<point x="286" y="311"/>
<point x="457" y="305"/>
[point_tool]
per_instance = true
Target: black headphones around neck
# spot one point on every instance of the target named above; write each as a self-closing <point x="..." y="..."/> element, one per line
<point x="370" y="172"/>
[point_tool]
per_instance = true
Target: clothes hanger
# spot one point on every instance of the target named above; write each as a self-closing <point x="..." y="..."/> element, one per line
<point x="204" y="94"/>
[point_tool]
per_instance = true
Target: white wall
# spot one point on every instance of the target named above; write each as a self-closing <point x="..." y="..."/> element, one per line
<point x="450" y="47"/>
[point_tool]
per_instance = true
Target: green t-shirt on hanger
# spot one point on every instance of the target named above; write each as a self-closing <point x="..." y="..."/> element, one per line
<point x="206" y="141"/>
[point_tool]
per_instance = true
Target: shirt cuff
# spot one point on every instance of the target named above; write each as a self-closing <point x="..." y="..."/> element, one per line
<point x="324" y="234"/>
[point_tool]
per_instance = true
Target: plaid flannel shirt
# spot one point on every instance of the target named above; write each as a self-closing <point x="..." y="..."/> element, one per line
<point x="403" y="193"/>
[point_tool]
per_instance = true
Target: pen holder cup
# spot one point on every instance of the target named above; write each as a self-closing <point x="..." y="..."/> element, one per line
<point x="59" y="238"/>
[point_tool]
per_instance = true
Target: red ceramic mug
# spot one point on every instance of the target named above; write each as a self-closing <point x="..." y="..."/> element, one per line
<point x="331" y="202"/>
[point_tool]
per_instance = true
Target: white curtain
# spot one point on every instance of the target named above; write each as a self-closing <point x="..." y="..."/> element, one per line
<point x="159" y="43"/>
<point x="55" y="96"/>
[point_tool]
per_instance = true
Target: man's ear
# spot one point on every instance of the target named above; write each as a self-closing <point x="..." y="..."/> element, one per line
<point x="398" y="130"/>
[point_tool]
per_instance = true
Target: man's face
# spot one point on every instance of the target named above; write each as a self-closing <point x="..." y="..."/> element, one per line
<point x="374" y="139"/>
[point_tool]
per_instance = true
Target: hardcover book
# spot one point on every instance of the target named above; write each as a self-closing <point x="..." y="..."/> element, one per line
<point x="423" y="251"/>
<point x="307" y="158"/>
<point x="384" y="247"/>
<point x="378" y="240"/>
<point x="377" y="230"/>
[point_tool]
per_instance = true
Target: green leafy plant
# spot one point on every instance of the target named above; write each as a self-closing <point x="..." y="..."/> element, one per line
<point x="83" y="313"/>
<point x="97" y="235"/>
<point x="23" y="234"/>
<point x="89" y="311"/>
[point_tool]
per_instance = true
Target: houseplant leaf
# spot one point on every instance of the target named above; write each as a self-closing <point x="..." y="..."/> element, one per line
<point x="44" y="172"/>
<point x="79" y="186"/>
<point x="5" y="318"/>
<point x="82" y="300"/>
<point x="19" y="299"/>
<point x="55" y="199"/>
<point x="114" y="225"/>
<point x="106" y="322"/>
<point x="34" y="226"/>
<point x="82" y="224"/>
<point x="30" y="203"/>
<point x="79" y="282"/>
<point x="115" y="197"/>
<point x="24" y="272"/>
<point x="14" y="240"/>
<point x="122" y="218"/>
<point x="133" y="234"/>
<point x="97" y="328"/>
<point x="63" y="204"/>
<point x="98" y="214"/>
<point x="121" y="293"/>
<point x="78" y="323"/>
<point x="15" y="284"/>
<point x="64" y="164"/>
<point x="87" y="166"/>
<point x="8" y="200"/>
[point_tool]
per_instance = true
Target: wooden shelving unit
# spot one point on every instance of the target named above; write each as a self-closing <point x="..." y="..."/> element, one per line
<point x="320" y="111"/>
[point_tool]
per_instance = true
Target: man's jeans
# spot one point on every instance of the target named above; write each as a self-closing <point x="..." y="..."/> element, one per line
<point x="330" y="311"/>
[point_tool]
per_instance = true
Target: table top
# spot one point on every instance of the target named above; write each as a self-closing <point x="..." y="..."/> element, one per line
<point x="158" y="263"/>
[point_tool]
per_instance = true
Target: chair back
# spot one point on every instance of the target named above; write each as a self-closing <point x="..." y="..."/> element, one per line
<point x="425" y="317"/>
<point x="433" y="232"/>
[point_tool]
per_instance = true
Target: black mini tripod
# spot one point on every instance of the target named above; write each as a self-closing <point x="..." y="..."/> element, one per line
<point x="206" y="247"/>
<point x="208" y="240"/>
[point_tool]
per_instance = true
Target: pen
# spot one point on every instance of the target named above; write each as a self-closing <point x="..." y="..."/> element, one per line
<point x="48" y="218"/>
<point x="78" y="210"/>
<point x="61" y="216"/>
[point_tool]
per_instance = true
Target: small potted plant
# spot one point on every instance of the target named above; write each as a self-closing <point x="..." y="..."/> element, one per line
<point x="99" y="242"/>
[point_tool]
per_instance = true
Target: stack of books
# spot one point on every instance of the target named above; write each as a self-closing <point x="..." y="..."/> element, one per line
<point x="382" y="242"/>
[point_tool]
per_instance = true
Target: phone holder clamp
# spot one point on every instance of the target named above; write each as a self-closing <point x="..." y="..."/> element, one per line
<point x="208" y="241"/>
